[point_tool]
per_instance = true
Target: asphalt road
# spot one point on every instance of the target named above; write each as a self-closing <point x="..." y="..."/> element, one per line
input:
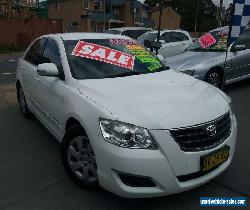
<point x="32" y="176"/>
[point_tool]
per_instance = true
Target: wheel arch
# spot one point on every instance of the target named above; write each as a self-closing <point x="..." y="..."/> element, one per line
<point x="73" y="121"/>
<point x="217" y="68"/>
<point x="18" y="85"/>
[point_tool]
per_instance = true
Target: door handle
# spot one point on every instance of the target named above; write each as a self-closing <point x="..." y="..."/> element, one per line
<point x="37" y="79"/>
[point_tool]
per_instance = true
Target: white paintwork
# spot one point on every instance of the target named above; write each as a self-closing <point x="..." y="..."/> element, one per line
<point x="47" y="69"/>
<point x="158" y="102"/>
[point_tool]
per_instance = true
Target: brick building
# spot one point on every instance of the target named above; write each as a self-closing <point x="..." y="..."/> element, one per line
<point x="18" y="8"/>
<point x="170" y="19"/>
<point x="97" y="15"/>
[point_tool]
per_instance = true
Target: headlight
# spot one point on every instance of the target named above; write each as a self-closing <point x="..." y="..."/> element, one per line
<point x="126" y="135"/>
<point x="189" y="72"/>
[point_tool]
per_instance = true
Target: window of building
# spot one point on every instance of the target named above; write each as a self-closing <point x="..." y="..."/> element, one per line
<point x="57" y="6"/>
<point x="74" y="24"/>
<point x="85" y="4"/>
<point x="97" y="5"/>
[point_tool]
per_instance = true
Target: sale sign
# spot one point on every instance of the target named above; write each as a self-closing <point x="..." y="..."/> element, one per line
<point x="104" y="54"/>
<point x="207" y="40"/>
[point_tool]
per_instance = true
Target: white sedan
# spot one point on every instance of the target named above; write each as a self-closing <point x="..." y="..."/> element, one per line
<point x="173" y="42"/>
<point x="123" y="120"/>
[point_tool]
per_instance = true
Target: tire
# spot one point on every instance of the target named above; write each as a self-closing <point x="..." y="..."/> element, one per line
<point x="22" y="103"/>
<point x="79" y="159"/>
<point x="215" y="78"/>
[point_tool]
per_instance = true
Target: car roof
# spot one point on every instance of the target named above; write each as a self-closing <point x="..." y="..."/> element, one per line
<point x="129" y="28"/>
<point x="167" y="30"/>
<point x="77" y="36"/>
<point x="223" y="29"/>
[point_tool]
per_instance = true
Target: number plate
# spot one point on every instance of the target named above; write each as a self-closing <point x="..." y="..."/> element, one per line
<point x="214" y="159"/>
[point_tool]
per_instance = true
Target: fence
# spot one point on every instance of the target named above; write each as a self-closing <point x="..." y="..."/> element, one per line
<point x="18" y="33"/>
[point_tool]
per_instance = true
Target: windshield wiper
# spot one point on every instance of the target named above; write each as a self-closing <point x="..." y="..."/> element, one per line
<point x="125" y="74"/>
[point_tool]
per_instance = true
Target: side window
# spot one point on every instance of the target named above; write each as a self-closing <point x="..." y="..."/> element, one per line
<point x="177" y="37"/>
<point x="244" y="39"/>
<point x="51" y="54"/>
<point x="34" y="55"/>
<point x="165" y="37"/>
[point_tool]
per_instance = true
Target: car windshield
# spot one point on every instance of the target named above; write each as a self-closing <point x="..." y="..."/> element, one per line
<point x="213" y="41"/>
<point x="107" y="58"/>
<point x="147" y="36"/>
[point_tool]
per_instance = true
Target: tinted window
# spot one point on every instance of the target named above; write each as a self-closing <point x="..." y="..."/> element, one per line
<point x="34" y="55"/>
<point x="134" y="33"/>
<point x="177" y="37"/>
<point x="213" y="41"/>
<point x="244" y="39"/>
<point x="165" y="37"/>
<point x="51" y="54"/>
<point x="83" y="67"/>
<point x="147" y="36"/>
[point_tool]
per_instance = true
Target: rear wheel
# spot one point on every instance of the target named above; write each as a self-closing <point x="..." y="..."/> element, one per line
<point x="79" y="159"/>
<point x="215" y="78"/>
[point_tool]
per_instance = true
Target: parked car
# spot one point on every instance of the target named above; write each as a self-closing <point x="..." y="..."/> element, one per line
<point x="211" y="63"/>
<point x="123" y="119"/>
<point x="173" y="42"/>
<point x="132" y="32"/>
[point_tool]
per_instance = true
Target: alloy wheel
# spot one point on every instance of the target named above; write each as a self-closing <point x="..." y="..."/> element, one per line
<point x="214" y="78"/>
<point x="81" y="159"/>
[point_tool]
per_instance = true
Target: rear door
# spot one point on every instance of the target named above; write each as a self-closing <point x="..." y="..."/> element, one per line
<point x="239" y="61"/>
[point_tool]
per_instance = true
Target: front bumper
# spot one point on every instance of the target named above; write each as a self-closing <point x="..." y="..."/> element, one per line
<point x="163" y="166"/>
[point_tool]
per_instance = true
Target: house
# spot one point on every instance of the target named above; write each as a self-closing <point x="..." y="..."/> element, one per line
<point x="18" y="8"/>
<point x="98" y="15"/>
<point x="170" y="19"/>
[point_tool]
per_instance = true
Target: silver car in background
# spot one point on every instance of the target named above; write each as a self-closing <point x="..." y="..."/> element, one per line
<point x="212" y="64"/>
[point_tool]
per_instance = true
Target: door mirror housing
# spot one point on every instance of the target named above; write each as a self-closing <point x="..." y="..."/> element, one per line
<point x="162" y="41"/>
<point x="48" y="70"/>
<point x="238" y="47"/>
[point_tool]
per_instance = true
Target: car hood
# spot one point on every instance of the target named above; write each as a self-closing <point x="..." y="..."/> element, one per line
<point x="161" y="100"/>
<point x="190" y="60"/>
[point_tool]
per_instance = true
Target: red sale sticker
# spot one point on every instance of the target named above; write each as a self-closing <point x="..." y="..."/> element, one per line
<point x="207" y="40"/>
<point x="104" y="54"/>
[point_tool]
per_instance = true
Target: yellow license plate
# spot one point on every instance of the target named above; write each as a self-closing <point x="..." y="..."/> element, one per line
<point x="214" y="159"/>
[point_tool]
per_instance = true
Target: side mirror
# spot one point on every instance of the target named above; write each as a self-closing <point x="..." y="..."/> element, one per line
<point x="162" y="41"/>
<point x="239" y="47"/>
<point x="47" y="70"/>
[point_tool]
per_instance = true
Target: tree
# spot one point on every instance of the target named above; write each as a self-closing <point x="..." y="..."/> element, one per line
<point x="187" y="9"/>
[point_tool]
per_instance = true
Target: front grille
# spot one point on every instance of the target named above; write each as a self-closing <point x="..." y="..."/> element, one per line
<point x="199" y="137"/>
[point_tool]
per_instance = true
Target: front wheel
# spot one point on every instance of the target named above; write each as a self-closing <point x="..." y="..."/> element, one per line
<point x="215" y="78"/>
<point x="79" y="159"/>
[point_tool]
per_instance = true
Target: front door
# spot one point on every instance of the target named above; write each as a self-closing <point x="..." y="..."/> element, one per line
<point x="51" y="90"/>
<point x="238" y="62"/>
